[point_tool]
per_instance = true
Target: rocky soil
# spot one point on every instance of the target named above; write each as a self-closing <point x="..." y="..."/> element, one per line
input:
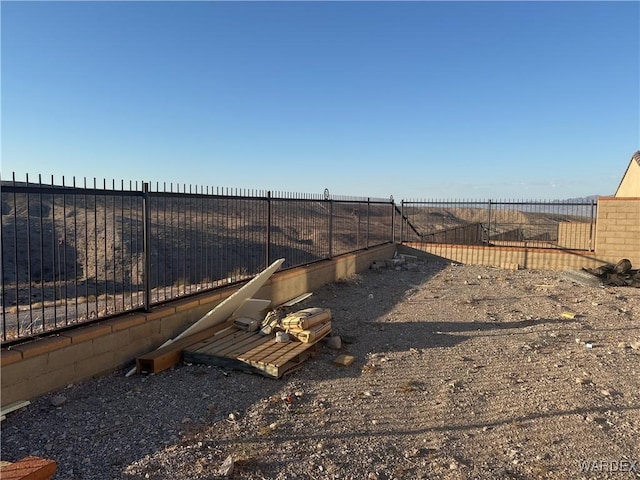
<point x="460" y="372"/>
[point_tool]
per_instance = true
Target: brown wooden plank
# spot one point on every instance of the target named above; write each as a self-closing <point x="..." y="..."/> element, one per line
<point x="277" y="371"/>
<point x="268" y="359"/>
<point x="166" y="357"/>
<point x="239" y="348"/>
<point x="29" y="468"/>
<point x="290" y="355"/>
<point x="230" y="334"/>
<point x="274" y="347"/>
<point x="215" y="347"/>
<point x="256" y="350"/>
<point x="240" y="343"/>
<point x="262" y="368"/>
<point x="312" y="334"/>
<point x="226" y="333"/>
<point x="258" y="353"/>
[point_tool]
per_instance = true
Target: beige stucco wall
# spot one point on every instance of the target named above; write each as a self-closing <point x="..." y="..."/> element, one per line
<point x="618" y="229"/>
<point x="630" y="184"/>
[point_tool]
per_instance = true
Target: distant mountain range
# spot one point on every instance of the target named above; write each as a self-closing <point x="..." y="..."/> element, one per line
<point x="588" y="198"/>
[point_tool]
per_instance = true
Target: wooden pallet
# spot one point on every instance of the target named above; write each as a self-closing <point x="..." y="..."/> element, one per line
<point x="251" y="352"/>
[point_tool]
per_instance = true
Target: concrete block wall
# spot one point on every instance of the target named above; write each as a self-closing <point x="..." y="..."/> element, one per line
<point x="618" y="229"/>
<point x="513" y="257"/>
<point x="33" y="368"/>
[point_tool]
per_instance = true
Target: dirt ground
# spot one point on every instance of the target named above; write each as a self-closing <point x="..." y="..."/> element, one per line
<point x="460" y="372"/>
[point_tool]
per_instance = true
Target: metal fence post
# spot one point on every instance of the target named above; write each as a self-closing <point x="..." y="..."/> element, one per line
<point x="591" y="224"/>
<point x="489" y="223"/>
<point x="368" y="220"/>
<point x="402" y="221"/>
<point x="327" y="198"/>
<point x="393" y="219"/>
<point x="146" y="238"/>
<point x="268" y="246"/>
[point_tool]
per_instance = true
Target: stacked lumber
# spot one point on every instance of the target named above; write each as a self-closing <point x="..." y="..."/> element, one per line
<point x="307" y="325"/>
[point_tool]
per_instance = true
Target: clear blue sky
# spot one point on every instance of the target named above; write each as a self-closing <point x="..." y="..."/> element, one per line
<point x="411" y="99"/>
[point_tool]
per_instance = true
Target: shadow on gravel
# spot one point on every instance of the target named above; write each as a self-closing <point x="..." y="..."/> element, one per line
<point x="514" y="421"/>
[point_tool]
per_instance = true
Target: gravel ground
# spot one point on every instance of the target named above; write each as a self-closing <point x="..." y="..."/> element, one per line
<point x="460" y="372"/>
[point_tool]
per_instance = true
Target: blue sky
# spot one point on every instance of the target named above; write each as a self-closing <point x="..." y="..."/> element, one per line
<point x="411" y="99"/>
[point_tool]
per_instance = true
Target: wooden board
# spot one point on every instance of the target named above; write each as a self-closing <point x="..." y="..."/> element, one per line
<point x="253" y="308"/>
<point x="29" y="468"/>
<point x="171" y="353"/>
<point x="311" y="334"/>
<point x="251" y="352"/>
<point x="307" y="318"/>
<point x="167" y="356"/>
<point x="297" y="299"/>
<point x="12" y="407"/>
<point x="229" y="305"/>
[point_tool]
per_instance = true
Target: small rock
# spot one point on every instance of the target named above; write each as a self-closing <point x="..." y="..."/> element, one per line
<point x="58" y="400"/>
<point x="623" y="345"/>
<point x="370" y="297"/>
<point x="606" y="393"/>
<point x="635" y="345"/>
<point x="334" y="342"/>
<point x="453" y="465"/>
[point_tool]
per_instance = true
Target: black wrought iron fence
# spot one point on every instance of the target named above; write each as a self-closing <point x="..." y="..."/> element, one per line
<point x="534" y="224"/>
<point x="74" y="253"/>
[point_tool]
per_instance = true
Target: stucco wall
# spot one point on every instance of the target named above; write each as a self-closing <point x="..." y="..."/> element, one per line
<point x="618" y="229"/>
<point x="630" y="184"/>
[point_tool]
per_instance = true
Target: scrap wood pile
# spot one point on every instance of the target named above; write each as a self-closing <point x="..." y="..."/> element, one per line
<point x="621" y="274"/>
<point x="240" y="332"/>
<point x="307" y="325"/>
<point x="271" y="345"/>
